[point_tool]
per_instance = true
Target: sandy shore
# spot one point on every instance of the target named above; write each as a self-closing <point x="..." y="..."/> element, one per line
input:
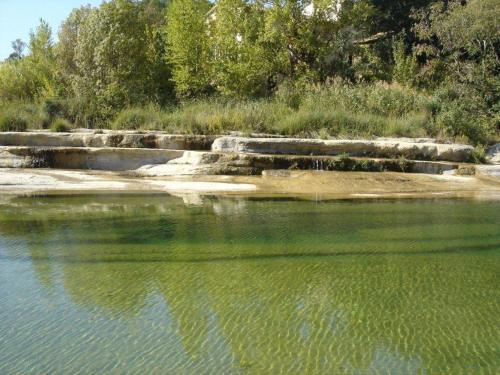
<point x="311" y="185"/>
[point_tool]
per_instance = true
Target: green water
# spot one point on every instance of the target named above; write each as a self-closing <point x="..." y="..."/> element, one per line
<point x="162" y="285"/>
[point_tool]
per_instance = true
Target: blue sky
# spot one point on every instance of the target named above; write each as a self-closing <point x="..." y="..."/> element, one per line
<point x="18" y="17"/>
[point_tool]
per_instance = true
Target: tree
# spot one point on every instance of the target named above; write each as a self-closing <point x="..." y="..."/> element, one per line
<point x="18" y="47"/>
<point x="66" y="48"/>
<point x="463" y="40"/>
<point x="188" y="47"/>
<point x="242" y="61"/>
<point x="115" y="59"/>
<point x="31" y="77"/>
<point x="395" y="16"/>
<point x="316" y="39"/>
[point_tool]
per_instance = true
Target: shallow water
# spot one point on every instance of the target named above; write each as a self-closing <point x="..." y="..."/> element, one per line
<point x="160" y="284"/>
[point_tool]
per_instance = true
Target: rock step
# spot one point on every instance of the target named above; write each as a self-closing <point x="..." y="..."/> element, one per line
<point x="111" y="159"/>
<point x="359" y="148"/>
<point x="108" y="139"/>
<point x="158" y="162"/>
<point x="414" y="149"/>
<point x="212" y="163"/>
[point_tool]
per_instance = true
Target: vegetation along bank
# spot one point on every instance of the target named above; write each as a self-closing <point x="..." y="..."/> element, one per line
<point x="328" y="69"/>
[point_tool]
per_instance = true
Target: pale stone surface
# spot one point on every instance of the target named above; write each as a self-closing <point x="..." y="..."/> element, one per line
<point x="156" y="162"/>
<point x="112" y="159"/>
<point x="190" y="163"/>
<point x="211" y="163"/>
<point x="493" y="154"/>
<point x="375" y="148"/>
<point x="489" y="170"/>
<point x="22" y="181"/>
<point x="410" y="140"/>
<point x="107" y="139"/>
<point x="201" y="186"/>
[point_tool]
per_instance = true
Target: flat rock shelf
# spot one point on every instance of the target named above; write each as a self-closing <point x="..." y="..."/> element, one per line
<point x="158" y="154"/>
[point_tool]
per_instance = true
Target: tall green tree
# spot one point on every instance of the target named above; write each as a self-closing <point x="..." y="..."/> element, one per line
<point x="459" y="44"/>
<point x="116" y="58"/>
<point x="242" y="63"/>
<point x="316" y="39"/>
<point x="31" y="77"/>
<point x="188" y="51"/>
<point x="66" y="47"/>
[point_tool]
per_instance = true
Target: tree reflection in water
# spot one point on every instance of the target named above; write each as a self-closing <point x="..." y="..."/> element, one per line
<point x="277" y="285"/>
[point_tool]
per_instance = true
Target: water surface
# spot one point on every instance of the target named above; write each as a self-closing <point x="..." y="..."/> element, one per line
<point x="160" y="284"/>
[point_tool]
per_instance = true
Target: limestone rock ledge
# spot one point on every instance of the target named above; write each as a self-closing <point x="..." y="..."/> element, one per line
<point x="246" y="164"/>
<point x="123" y="139"/>
<point x="111" y="159"/>
<point x="358" y="148"/>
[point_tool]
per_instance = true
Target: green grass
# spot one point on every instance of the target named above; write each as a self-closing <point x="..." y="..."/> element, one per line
<point x="19" y="116"/>
<point x="335" y="111"/>
<point x="11" y="122"/>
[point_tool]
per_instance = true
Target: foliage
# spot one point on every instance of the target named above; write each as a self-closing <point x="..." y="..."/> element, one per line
<point x="463" y="115"/>
<point x="116" y="63"/>
<point x="32" y="77"/>
<point x="405" y="65"/>
<point x="12" y="122"/>
<point x="463" y="41"/>
<point x="33" y="114"/>
<point x="60" y="126"/>
<point x="243" y="64"/>
<point x="66" y="48"/>
<point x="328" y="111"/>
<point x="18" y="47"/>
<point x="188" y="46"/>
<point x="319" y="68"/>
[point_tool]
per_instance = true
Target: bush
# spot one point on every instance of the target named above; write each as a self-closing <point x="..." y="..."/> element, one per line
<point x="60" y="126"/>
<point x="11" y="122"/>
<point x="461" y="113"/>
<point x="32" y="114"/>
<point x="53" y="107"/>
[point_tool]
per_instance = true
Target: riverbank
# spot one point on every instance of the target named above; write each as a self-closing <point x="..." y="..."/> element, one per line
<point x="275" y="183"/>
<point x="156" y="162"/>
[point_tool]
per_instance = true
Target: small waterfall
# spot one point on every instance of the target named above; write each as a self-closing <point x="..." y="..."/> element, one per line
<point x="317" y="165"/>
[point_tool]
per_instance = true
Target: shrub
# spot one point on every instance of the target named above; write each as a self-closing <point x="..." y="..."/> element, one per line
<point x="12" y="122"/>
<point x="478" y="156"/>
<point x="462" y="113"/>
<point x="61" y="126"/>
<point x="53" y="107"/>
<point x="32" y="113"/>
<point x="405" y="65"/>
